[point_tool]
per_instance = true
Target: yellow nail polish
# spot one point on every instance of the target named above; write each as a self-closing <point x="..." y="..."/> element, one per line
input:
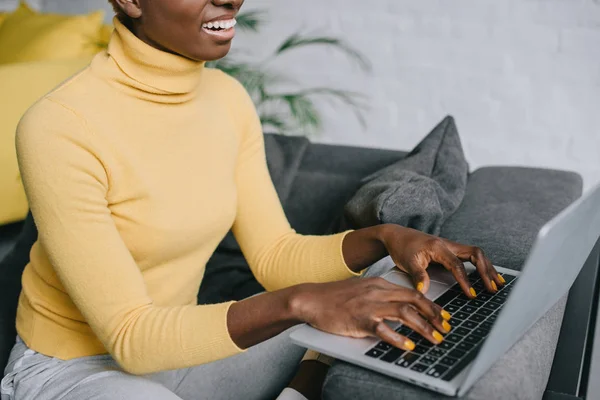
<point x="409" y="345"/>
<point x="420" y="286"/>
<point x="494" y="285"/>
<point x="501" y="278"/>
<point x="473" y="292"/>
<point x="437" y="336"/>
<point x="446" y="326"/>
<point x="446" y="315"/>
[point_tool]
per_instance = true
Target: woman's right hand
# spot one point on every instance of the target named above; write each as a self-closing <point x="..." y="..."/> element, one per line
<point x="358" y="307"/>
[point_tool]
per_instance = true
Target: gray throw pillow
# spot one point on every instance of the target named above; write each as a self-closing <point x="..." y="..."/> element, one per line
<point x="420" y="191"/>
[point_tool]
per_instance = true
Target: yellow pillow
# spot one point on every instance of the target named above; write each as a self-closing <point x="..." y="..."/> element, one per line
<point x="26" y="35"/>
<point x="104" y="35"/>
<point x="22" y="85"/>
<point x="2" y="17"/>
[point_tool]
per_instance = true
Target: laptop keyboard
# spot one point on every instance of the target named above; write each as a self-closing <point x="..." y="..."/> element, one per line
<point x="471" y="322"/>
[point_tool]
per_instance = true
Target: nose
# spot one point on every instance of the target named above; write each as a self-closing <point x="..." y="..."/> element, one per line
<point x="233" y="4"/>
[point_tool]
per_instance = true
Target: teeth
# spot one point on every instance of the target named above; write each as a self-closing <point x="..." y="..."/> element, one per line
<point x="220" y="24"/>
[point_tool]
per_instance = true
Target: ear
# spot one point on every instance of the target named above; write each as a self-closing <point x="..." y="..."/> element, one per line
<point x="131" y="8"/>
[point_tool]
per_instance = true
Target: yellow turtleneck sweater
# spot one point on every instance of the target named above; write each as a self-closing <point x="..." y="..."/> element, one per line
<point x="135" y="169"/>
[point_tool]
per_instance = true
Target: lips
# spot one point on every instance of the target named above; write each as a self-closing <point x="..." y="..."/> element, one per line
<point x="221" y="30"/>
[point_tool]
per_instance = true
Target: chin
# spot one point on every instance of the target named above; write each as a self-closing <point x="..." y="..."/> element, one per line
<point x="213" y="54"/>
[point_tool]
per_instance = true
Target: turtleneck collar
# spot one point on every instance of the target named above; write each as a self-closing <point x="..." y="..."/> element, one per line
<point x="153" y="74"/>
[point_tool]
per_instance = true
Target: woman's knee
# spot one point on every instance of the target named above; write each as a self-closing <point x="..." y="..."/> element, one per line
<point x="263" y="371"/>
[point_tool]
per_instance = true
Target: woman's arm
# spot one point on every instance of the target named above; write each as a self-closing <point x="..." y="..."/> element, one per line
<point x="262" y="317"/>
<point x="276" y="254"/>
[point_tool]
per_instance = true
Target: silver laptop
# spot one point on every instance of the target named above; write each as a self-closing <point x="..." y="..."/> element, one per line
<point x="482" y="329"/>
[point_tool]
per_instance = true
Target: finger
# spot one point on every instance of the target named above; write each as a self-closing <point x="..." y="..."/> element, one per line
<point x="388" y="335"/>
<point x="434" y="313"/>
<point x="491" y="279"/>
<point x="409" y="316"/>
<point x="444" y="256"/>
<point x="420" y="277"/>
<point x="478" y="259"/>
<point x="431" y="311"/>
<point x="494" y="274"/>
<point x="496" y="280"/>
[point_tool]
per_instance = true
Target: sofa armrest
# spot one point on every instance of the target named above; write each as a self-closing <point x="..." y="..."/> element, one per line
<point x="502" y="212"/>
<point x="505" y="207"/>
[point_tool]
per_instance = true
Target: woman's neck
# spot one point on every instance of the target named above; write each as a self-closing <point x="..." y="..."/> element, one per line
<point x="152" y="73"/>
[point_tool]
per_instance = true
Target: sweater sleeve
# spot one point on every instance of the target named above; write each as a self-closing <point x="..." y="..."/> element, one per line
<point x="277" y="255"/>
<point x="67" y="184"/>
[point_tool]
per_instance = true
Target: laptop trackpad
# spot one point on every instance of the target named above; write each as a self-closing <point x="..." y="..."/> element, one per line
<point x="401" y="278"/>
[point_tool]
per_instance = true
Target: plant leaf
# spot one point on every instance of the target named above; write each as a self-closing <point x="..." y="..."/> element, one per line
<point x="297" y="40"/>
<point x="352" y="99"/>
<point x="303" y="111"/>
<point x="255" y="79"/>
<point x="250" y="20"/>
<point x="273" y="120"/>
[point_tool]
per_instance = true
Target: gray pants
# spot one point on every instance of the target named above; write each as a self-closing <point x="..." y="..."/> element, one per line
<point x="260" y="373"/>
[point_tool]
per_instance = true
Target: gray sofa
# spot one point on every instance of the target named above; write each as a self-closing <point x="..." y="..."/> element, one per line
<point x="502" y="211"/>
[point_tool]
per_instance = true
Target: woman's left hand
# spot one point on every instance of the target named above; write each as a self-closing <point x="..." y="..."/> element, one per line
<point x="413" y="251"/>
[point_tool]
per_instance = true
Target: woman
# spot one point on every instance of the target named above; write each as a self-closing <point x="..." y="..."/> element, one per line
<point x="135" y="169"/>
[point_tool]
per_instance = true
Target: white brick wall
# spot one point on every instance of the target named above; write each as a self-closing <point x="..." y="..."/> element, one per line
<point x="522" y="77"/>
<point x="8" y="5"/>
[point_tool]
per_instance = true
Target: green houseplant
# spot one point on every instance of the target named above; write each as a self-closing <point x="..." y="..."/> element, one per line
<point x="289" y="112"/>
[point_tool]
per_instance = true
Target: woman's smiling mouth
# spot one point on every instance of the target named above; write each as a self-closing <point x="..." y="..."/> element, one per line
<point x="223" y="29"/>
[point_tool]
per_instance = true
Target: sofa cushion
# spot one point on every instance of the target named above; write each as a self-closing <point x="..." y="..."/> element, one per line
<point x="505" y="207"/>
<point x="420" y="191"/>
<point x="8" y="236"/>
<point x="328" y="177"/>
<point x="26" y="35"/>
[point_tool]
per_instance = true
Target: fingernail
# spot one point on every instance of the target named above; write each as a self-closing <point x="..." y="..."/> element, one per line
<point x="446" y="326"/>
<point x="494" y="286"/>
<point x="437" y="336"/>
<point x="446" y="315"/>
<point x="409" y="345"/>
<point x="473" y="292"/>
<point x="420" y="286"/>
<point x="501" y="278"/>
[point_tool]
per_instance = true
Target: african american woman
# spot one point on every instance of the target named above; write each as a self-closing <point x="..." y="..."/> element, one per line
<point x="135" y="169"/>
